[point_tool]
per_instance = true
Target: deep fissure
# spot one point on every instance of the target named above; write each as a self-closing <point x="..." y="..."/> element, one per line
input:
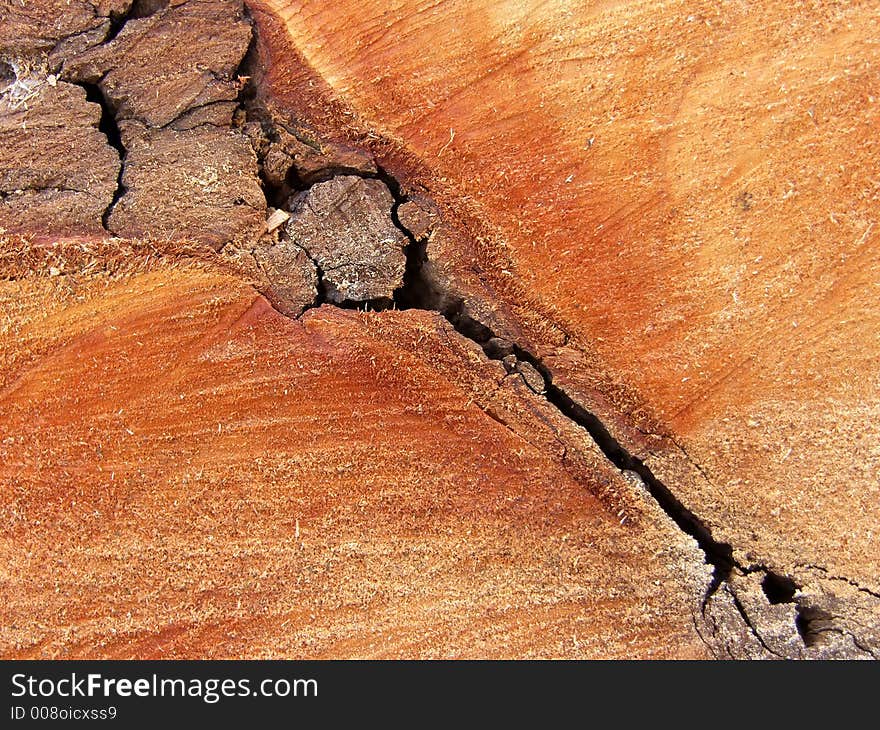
<point x="811" y="623"/>
<point x="419" y="291"/>
<point x="778" y="588"/>
<point x="744" y="615"/>
<point x="109" y="127"/>
<point x="422" y="291"/>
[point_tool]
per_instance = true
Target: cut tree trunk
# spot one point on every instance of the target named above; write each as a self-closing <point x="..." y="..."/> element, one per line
<point x="561" y="338"/>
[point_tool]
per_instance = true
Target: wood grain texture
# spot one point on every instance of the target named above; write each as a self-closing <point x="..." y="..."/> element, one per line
<point x="688" y="190"/>
<point x="187" y="473"/>
<point x="664" y="211"/>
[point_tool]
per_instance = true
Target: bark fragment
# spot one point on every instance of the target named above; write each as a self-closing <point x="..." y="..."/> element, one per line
<point x="70" y="171"/>
<point x="28" y="27"/>
<point x="293" y="155"/>
<point x="166" y="78"/>
<point x="419" y="219"/>
<point x="160" y="66"/>
<point x="345" y="226"/>
<point x="198" y="183"/>
<point x="290" y="278"/>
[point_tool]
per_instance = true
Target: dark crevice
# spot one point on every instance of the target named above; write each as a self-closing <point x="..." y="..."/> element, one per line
<point x="117" y="23"/>
<point x="110" y="128"/>
<point x="830" y="576"/>
<point x="249" y="109"/>
<point x="378" y="304"/>
<point x="420" y="290"/>
<point x="188" y="111"/>
<point x="811" y="623"/>
<point x="411" y="295"/>
<point x="778" y="588"/>
<point x="397" y="193"/>
<point x="7" y="76"/>
<point x="247" y="92"/>
<point x="118" y="20"/>
<point x="320" y="285"/>
<point x="138" y="9"/>
<point x="718" y="554"/>
<point x="297" y="183"/>
<point x="292" y="183"/>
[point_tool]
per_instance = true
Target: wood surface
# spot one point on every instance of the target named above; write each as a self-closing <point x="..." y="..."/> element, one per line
<point x="670" y="208"/>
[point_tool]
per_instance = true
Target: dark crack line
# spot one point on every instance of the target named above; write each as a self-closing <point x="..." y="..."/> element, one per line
<point x="420" y="291"/>
<point x="108" y="126"/>
<point x="718" y="554"/>
<point x="752" y="628"/>
<point x="843" y="579"/>
<point x="189" y="110"/>
<point x="843" y="632"/>
<point x="320" y="285"/>
<point x="777" y="588"/>
<point x="117" y="23"/>
<point x="859" y="645"/>
<point x="699" y="632"/>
